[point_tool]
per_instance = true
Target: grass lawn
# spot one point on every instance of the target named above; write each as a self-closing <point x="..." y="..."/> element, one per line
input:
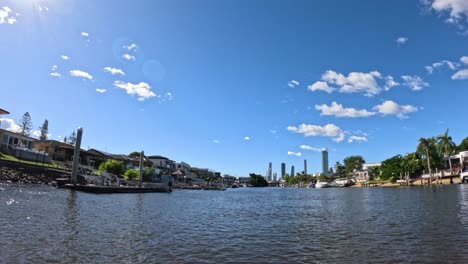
<point x="11" y="158"/>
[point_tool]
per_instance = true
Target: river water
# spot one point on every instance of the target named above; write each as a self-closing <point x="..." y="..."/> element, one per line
<point x="40" y="224"/>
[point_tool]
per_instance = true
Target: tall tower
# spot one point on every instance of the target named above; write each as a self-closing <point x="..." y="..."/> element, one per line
<point x="269" y="172"/>
<point x="283" y="170"/>
<point x="305" y="167"/>
<point x="275" y="176"/>
<point x="292" y="171"/>
<point x="325" y="161"/>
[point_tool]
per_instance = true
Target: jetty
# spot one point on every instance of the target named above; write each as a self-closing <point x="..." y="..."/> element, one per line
<point x="105" y="183"/>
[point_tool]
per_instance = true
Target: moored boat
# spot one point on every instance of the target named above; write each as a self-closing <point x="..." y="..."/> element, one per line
<point x="322" y="184"/>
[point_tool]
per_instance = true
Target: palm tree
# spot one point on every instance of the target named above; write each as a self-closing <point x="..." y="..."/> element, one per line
<point x="424" y="147"/>
<point x="446" y="146"/>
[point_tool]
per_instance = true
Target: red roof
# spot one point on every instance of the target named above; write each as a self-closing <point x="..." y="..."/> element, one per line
<point x="3" y="112"/>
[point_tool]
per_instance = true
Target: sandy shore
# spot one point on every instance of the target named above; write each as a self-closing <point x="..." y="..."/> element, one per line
<point x="444" y="181"/>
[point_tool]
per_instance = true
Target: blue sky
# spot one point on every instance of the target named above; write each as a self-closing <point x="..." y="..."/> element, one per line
<point x="233" y="85"/>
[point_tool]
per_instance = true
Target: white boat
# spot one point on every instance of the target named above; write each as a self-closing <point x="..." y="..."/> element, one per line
<point x="321" y="184"/>
<point x="342" y="182"/>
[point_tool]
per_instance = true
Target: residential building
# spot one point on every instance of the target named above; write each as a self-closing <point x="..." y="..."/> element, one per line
<point x="228" y="179"/>
<point x="183" y="167"/>
<point x="325" y="161"/>
<point x="283" y="170"/>
<point x="363" y="175"/>
<point x="162" y="164"/>
<point x="96" y="157"/>
<point x="60" y="151"/>
<point x="15" y="140"/>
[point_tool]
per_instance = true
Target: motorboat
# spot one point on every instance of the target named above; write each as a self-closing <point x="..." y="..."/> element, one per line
<point x="342" y="182"/>
<point x="322" y="184"/>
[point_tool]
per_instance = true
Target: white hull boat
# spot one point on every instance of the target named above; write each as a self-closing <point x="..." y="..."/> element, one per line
<point x="321" y="184"/>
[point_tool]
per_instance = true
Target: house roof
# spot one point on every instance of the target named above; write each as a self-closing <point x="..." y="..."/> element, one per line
<point x="3" y="112"/>
<point x="121" y="157"/>
<point x="99" y="153"/>
<point x="19" y="135"/>
<point x="157" y="157"/>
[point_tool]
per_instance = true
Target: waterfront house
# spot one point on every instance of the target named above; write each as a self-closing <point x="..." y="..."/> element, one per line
<point x="163" y="165"/>
<point x="183" y="167"/>
<point x="96" y="157"/>
<point x="11" y="139"/>
<point x="126" y="160"/>
<point x="363" y="175"/>
<point x="56" y="150"/>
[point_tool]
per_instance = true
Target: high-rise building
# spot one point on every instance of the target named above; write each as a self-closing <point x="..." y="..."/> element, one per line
<point x="269" y="172"/>
<point x="305" y="167"/>
<point x="275" y="176"/>
<point x="292" y="171"/>
<point x="283" y="170"/>
<point x="325" y="161"/>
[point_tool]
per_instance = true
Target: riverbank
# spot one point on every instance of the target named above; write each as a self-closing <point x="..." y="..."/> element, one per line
<point x="417" y="182"/>
<point x="27" y="174"/>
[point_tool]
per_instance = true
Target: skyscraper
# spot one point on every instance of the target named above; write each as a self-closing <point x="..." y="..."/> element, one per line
<point x="305" y="167"/>
<point x="269" y="172"/>
<point x="275" y="177"/>
<point x="292" y="171"/>
<point x="283" y="170"/>
<point x="325" y="161"/>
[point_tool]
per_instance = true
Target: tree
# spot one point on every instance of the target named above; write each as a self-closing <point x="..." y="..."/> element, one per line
<point x="425" y="149"/>
<point x="412" y="164"/>
<point x="353" y="163"/>
<point x="463" y="145"/>
<point x="446" y="146"/>
<point x="330" y="171"/>
<point x="65" y="140"/>
<point x="131" y="174"/>
<point x="374" y="172"/>
<point x="72" y="138"/>
<point x="44" y="130"/>
<point x="25" y="124"/>
<point x="112" y="166"/>
<point x="257" y="180"/>
<point x="391" y="167"/>
<point x="340" y="169"/>
<point x="134" y="154"/>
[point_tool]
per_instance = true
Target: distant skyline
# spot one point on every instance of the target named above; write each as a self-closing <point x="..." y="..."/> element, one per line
<point x="232" y="85"/>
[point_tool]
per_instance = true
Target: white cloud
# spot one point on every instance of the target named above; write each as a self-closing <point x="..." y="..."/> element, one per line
<point x="297" y="154"/>
<point x="357" y="139"/>
<point x="142" y="89"/>
<point x="392" y="108"/>
<point x="389" y="83"/>
<point x="460" y="75"/>
<point x="85" y="34"/>
<point x="101" y="90"/>
<point x="401" y="40"/>
<point x="338" y="110"/>
<point x="64" y="57"/>
<point x="114" y="71"/>
<point x="293" y="83"/>
<point x="437" y="65"/>
<point x="415" y="82"/>
<point x="457" y="10"/>
<point x="329" y="130"/>
<point x="10" y="125"/>
<point x="321" y="86"/>
<point x="55" y="74"/>
<point x="128" y="57"/>
<point x="305" y="147"/>
<point x="464" y="59"/>
<point x="130" y="47"/>
<point x="54" y="67"/>
<point x="246" y="138"/>
<point x="355" y="82"/>
<point x="82" y="74"/>
<point x="7" y="16"/>
<point x="215" y="141"/>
